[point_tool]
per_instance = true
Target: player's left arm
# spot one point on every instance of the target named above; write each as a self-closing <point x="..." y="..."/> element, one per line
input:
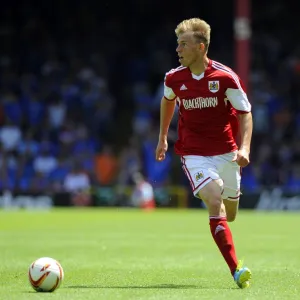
<point x="239" y="100"/>
<point x="246" y="128"/>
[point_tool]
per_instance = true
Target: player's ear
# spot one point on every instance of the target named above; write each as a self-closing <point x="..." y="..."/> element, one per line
<point x="202" y="47"/>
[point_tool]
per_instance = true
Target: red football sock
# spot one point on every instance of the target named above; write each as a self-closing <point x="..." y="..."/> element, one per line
<point x="223" y="238"/>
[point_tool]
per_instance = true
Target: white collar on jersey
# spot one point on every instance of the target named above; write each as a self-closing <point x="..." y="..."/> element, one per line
<point x="198" y="77"/>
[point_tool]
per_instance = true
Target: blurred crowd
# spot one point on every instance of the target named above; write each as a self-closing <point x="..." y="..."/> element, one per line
<point x="80" y="90"/>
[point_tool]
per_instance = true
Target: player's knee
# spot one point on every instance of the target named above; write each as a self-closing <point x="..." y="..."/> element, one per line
<point x="211" y="195"/>
<point x="215" y="202"/>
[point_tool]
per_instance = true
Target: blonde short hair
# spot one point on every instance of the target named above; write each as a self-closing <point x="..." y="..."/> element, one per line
<point x="199" y="27"/>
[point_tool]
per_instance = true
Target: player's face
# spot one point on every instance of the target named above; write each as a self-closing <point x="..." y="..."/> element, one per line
<point x="188" y="49"/>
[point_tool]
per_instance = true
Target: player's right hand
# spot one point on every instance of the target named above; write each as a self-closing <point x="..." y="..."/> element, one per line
<point x="161" y="149"/>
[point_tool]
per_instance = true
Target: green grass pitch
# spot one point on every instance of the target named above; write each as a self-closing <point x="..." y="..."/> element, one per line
<point x="121" y="254"/>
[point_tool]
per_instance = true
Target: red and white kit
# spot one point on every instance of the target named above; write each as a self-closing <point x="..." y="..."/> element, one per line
<point x="207" y="125"/>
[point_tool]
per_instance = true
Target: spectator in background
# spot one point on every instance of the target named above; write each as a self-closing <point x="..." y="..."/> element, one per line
<point x="34" y="110"/>
<point x="143" y="102"/>
<point x="56" y="112"/>
<point x="158" y="173"/>
<point x="78" y="184"/>
<point x="143" y="194"/>
<point x="9" y="169"/>
<point x="45" y="162"/>
<point x="84" y="150"/>
<point x="106" y="166"/>
<point x="39" y="183"/>
<point x="130" y="161"/>
<point x="67" y="136"/>
<point x="12" y="107"/>
<point x="28" y="145"/>
<point x="10" y="135"/>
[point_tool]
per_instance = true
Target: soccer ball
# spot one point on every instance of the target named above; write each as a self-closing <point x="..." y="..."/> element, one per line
<point x="45" y="274"/>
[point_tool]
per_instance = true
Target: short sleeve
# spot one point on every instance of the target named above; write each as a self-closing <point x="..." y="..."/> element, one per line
<point x="237" y="96"/>
<point x="168" y="91"/>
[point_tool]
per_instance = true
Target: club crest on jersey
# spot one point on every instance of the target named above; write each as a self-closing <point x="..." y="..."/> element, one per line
<point x="213" y="86"/>
<point x="199" y="176"/>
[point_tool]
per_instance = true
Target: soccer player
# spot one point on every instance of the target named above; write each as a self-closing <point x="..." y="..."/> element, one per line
<point x="210" y="96"/>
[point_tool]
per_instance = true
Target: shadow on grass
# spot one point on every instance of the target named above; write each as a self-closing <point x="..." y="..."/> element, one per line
<point x="35" y="292"/>
<point x="154" y="286"/>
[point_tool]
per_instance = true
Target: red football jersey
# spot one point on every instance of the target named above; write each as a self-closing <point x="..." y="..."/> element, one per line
<point x="208" y="105"/>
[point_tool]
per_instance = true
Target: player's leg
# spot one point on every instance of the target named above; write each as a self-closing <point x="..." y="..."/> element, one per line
<point x="221" y="233"/>
<point x="231" y="208"/>
<point x="231" y="176"/>
<point x="207" y="185"/>
<point x="230" y="173"/>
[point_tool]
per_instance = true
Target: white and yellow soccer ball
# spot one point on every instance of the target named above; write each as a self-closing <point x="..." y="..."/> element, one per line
<point x="45" y="274"/>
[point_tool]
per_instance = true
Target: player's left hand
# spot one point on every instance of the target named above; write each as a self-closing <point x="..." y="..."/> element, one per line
<point x="242" y="158"/>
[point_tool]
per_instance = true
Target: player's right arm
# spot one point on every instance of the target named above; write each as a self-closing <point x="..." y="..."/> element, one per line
<point x="167" y="108"/>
